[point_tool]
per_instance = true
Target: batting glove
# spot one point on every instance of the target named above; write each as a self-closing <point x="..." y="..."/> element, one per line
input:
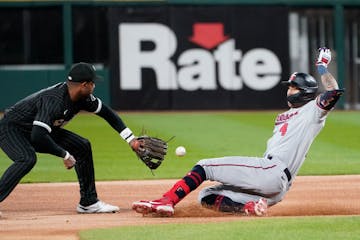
<point x="324" y="57"/>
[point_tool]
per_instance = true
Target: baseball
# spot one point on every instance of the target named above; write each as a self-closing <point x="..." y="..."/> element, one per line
<point x="180" y="151"/>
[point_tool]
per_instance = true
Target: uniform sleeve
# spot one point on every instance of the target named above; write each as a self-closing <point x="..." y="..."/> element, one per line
<point x="43" y="143"/>
<point x="48" y="109"/>
<point x="324" y="103"/>
<point x="91" y="104"/>
<point x="112" y="118"/>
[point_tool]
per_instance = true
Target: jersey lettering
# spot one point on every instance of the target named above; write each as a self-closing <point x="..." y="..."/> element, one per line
<point x="282" y="118"/>
<point x="283" y="129"/>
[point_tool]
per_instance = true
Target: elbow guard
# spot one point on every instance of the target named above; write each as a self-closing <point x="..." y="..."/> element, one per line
<point x="328" y="99"/>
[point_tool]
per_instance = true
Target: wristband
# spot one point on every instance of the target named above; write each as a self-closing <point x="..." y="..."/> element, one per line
<point x="322" y="69"/>
<point x="127" y="135"/>
<point x="67" y="155"/>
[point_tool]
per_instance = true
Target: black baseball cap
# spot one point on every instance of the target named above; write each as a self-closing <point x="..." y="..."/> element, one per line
<point x="82" y="72"/>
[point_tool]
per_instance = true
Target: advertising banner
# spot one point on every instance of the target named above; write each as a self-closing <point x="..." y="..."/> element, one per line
<point x="198" y="57"/>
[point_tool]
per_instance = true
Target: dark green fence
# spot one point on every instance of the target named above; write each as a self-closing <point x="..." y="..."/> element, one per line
<point x="16" y="84"/>
<point x="27" y="81"/>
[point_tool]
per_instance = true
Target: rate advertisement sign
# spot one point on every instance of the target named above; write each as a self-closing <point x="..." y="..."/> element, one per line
<point x="198" y="57"/>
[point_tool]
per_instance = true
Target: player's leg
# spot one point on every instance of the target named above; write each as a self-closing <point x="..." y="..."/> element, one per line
<point x="18" y="148"/>
<point x="187" y="184"/>
<point x="256" y="176"/>
<point x="221" y="203"/>
<point x="207" y="169"/>
<point x="165" y="205"/>
<point x="248" y="184"/>
<point x="80" y="148"/>
<point x="219" y="199"/>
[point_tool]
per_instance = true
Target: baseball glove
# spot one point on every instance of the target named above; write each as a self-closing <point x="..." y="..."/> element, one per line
<point x="150" y="150"/>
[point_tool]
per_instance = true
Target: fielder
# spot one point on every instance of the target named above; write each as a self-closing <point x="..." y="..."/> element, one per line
<point x="34" y="124"/>
<point x="248" y="185"/>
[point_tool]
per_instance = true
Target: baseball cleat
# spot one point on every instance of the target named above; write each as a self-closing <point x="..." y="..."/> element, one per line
<point x="258" y="208"/>
<point x="98" y="207"/>
<point x="162" y="207"/>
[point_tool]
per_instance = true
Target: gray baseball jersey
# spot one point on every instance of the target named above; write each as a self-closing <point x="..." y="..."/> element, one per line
<point x="293" y="134"/>
<point x="246" y="179"/>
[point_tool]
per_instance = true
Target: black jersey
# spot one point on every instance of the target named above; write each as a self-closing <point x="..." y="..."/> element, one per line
<point x="50" y="108"/>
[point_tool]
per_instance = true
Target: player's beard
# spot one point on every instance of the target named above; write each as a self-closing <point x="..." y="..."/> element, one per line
<point x="297" y="100"/>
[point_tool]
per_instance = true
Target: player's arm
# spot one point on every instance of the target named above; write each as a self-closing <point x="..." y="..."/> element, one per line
<point x="328" y="99"/>
<point x="40" y="133"/>
<point x="116" y="123"/>
<point x="327" y="79"/>
<point x="43" y="143"/>
<point x="329" y="82"/>
<point x="95" y="105"/>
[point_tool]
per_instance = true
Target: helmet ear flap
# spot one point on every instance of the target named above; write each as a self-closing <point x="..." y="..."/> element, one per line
<point x="306" y="84"/>
<point x="301" y="98"/>
<point x="295" y="100"/>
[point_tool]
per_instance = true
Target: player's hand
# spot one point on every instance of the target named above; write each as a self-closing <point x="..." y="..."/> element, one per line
<point x="324" y="57"/>
<point x="134" y="144"/>
<point x="69" y="161"/>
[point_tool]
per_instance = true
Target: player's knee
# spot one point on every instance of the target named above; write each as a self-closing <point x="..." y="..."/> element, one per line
<point x="83" y="150"/>
<point x="85" y="145"/>
<point x="200" y="171"/>
<point x="201" y="162"/>
<point x="208" y="200"/>
<point x="31" y="161"/>
<point x="27" y="161"/>
<point x="221" y="203"/>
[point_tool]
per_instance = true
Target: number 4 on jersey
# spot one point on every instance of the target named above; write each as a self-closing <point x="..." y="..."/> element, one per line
<point x="283" y="129"/>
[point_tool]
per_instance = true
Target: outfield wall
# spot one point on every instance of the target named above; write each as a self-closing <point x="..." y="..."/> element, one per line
<point x="198" y="57"/>
<point x="17" y="84"/>
<point x="175" y="54"/>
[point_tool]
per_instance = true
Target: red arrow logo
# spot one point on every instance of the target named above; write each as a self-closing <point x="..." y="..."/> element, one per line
<point x="208" y="35"/>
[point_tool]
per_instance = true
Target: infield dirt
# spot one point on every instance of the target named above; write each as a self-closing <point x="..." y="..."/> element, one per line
<point x="47" y="210"/>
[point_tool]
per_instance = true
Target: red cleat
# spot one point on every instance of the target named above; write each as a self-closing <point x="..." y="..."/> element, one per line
<point x="258" y="208"/>
<point x="162" y="207"/>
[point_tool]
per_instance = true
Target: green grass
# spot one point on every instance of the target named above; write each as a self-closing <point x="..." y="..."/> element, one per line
<point x="210" y="134"/>
<point x="204" y="134"/>
<point x="329" y="228"/>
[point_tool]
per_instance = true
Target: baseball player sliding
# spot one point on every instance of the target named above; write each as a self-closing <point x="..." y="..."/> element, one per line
<point x="249" y="185"/>
<point x="34" y="124"/>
